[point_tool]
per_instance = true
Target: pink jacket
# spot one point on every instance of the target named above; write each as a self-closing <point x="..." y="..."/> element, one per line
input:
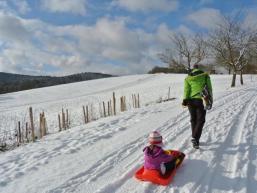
<point x="154" y="157"/>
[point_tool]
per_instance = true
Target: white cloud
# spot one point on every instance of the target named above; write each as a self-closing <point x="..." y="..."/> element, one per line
<point x="109" y="39"/>
<point x="22" y="6"/>
<point x="250" y="20"/>
<point x="18" y="52"/>
<point x="108" y="46"/>
<point x="70" y="49"/>
<point x="185" y="30"/>
<point x="147" y="5"/>
<point x="12" y="28"/>
<point x="206" y="17"/>
<point x="77" y="7"/>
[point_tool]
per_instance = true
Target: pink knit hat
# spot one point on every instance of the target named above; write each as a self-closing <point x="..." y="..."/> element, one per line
<point x="155" y="138"/>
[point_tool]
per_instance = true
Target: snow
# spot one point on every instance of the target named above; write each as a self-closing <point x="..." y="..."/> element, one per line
<point x="103" y="155"/>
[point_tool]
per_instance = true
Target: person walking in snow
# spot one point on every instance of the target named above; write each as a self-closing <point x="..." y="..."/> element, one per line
<point x="194" y="84"/>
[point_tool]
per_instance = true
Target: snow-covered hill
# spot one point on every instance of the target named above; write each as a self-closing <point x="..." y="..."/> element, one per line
<point x="103" y="155"/>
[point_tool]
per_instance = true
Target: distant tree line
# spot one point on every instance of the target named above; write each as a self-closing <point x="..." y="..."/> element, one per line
<point x="15" y="82"/>
<point x="158" y="69"/>
<point x="180" y="69"/>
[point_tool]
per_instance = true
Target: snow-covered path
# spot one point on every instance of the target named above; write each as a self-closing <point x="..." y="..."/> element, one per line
<point x="102" y="156"/>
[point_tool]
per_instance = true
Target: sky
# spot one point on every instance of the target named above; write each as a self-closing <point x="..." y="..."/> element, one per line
<point x="119" y="37"/>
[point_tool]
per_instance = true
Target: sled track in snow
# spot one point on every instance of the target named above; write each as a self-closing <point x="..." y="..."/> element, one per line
<point x="251" y="138"/>
<point x="233" y="132"/>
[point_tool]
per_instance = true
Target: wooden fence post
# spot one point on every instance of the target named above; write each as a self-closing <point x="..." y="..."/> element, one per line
<point x="111" y="112"/>
<point x="135" y="101"/>
<point x="32" y="124"/>
<point x="63" y="120"/>
<point x="121" y="109"/>
<point x="44" y="124"/>
<point x="26" y="133"/>
<point x="87" y="114"/>
<point x="84" y="113"/>
<point x="104" y="109"/>
<point x="114" y="103"/>
<point x="124" y="103"/>
<point x="59" y="121"/>
<point x="40" y="125"/>
<point x="19" y="133"/>
<point x="109" y="108"/>
<point x="67" y="119"/>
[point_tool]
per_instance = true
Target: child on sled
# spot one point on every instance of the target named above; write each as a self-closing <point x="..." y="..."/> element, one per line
<point x="158" y="159"/>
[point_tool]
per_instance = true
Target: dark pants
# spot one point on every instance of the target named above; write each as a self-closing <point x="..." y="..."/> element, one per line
<point x="197" y="117"/>
<point x="171" y="165"/>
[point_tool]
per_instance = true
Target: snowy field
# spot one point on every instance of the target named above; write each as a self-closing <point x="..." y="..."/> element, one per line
<point x="102" y="156"/>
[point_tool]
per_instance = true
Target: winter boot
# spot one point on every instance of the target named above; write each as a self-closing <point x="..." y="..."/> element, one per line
<point x="195" y="143"/>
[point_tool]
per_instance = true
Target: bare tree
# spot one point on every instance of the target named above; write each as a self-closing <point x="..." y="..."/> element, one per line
<point x="185" y="52"/>
<point x="233" y="45"/>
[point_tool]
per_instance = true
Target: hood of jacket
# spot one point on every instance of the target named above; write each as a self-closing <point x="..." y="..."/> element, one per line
<point x="195" y="74"/>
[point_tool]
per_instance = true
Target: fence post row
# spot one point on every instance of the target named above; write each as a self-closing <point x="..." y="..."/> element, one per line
<point x="64" y="117"/>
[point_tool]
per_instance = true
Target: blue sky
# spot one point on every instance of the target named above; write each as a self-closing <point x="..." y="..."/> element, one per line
<point x="58" y="37"/>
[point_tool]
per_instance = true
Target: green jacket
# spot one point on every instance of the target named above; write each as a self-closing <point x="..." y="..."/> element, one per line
<point x="194" y="83"/>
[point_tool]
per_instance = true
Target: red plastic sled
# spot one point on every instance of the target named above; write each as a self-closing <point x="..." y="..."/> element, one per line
<point x="154" y="176"/>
